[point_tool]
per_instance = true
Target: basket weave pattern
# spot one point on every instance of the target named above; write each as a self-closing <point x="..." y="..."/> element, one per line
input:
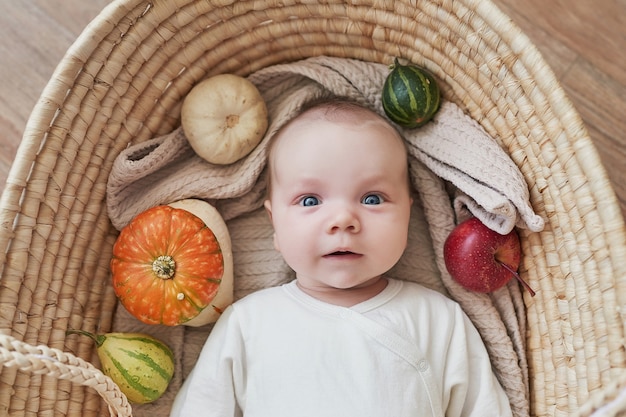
<point x="123" y="81"/>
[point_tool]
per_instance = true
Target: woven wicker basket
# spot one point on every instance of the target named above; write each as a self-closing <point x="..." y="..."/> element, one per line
<point x="123" y="81"/>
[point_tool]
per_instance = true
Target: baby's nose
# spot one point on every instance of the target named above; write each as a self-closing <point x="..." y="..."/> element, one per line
<point x="344" y="219"/>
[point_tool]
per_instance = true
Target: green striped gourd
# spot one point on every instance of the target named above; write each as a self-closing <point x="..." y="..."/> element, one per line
<point x="139" y="364"/>
<point x="410" y="95"/>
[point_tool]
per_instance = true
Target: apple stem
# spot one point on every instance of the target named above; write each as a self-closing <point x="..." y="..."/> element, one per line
<point x="514" y="272"/>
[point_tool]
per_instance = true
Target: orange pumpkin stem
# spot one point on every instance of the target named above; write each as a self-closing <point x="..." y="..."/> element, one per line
<point x="164" y="267"/>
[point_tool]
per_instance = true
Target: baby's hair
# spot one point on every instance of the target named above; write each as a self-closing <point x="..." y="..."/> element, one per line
<point x="334" y="109"/>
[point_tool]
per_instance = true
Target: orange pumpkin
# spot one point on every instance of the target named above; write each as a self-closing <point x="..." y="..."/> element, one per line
<point x="167" y="266"/>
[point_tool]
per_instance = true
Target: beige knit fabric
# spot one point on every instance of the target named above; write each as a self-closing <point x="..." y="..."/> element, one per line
<point x="450" y="156"/>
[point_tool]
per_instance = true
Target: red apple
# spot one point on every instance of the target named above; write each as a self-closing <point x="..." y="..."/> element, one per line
<point x="481" y="259"/>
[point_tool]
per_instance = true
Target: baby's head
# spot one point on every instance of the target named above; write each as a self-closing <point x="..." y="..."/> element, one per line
<point x="339" y="197"/>
<point x="334" y="111"/>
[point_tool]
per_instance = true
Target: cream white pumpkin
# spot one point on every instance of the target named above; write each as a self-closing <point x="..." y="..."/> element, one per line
<point x="224" y="118"/>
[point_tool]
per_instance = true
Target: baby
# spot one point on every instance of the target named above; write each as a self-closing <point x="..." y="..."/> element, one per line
<point x="341" y="339"/>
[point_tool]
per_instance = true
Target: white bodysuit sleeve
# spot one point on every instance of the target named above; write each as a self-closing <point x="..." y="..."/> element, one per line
<point x="210" y="388"/>
<point x="473" y="388"/>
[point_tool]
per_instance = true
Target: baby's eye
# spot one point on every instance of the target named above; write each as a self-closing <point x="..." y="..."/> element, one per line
<point x="372" y="199"/>
<point x="309" y="201"/>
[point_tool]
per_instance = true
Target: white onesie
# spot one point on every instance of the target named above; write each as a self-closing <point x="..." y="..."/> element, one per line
<point x="409" y="351"/>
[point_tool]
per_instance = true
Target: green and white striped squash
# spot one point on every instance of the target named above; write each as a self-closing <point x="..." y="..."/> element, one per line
<point x="141" y="365"/>
<point x="410" y="95"/>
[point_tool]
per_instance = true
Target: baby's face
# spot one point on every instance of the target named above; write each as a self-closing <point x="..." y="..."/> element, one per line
<point x="340" y="201"/>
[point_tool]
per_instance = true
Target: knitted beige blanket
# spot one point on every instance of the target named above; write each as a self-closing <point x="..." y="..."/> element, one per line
<point x="456" y="168"/>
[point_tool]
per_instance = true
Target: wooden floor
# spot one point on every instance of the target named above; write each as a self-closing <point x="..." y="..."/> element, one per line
<point x="583" y="40"/>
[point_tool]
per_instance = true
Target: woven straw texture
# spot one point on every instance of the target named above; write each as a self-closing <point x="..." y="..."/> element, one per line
<point x="122" y="83"/>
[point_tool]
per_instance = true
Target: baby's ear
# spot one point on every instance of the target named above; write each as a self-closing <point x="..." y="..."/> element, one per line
<point x="268" y="208"/>
<point x="276" y="245"/>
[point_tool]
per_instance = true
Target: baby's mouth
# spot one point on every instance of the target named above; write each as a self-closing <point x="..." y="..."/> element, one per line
<point x="342" y="254"/>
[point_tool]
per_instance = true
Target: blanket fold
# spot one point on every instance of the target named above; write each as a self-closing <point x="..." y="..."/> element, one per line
<point x="452" y="149"/>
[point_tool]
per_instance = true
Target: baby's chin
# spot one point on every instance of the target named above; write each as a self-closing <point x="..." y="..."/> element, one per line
<point x="346" y="293"/>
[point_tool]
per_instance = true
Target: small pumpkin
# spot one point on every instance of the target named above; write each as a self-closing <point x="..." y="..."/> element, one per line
<point x="141" y="365"/>
<point x="212" y="218"/>
<point x="224" y="118"/>
<point x="172" y="266"/>
<point x="410" y="95"/>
